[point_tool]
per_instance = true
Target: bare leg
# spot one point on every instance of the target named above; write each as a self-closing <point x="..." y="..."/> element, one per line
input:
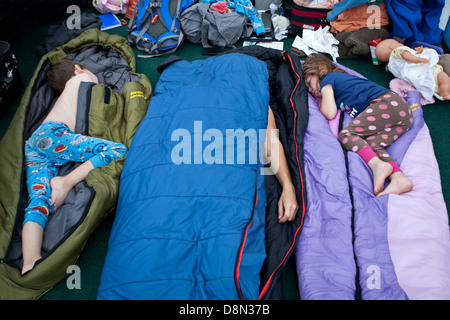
<point x="381" y="170"/>
<point x="444" y="85"/>
<point x="399" y="184"/>
<point x="32" y="234"/>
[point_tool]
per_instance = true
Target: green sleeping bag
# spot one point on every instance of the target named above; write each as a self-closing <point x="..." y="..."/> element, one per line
<point x="111" y="110"/>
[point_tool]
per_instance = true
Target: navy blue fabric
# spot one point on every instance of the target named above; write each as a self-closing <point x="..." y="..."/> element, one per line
<point x="289" y="103"/>
<point x="352" y="94"/>
<point x="192" y="231"/>
<point x="416" y="20"/>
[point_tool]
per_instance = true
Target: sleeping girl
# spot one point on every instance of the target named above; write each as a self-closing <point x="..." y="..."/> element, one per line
<point x="380" y="117"/>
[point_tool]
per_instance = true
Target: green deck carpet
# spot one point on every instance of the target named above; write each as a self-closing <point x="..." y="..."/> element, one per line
<point x="24" y="40"/>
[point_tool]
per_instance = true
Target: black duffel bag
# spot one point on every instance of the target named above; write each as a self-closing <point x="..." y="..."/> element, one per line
<point x="10" y="81"/>
<point x="307" y="18"/>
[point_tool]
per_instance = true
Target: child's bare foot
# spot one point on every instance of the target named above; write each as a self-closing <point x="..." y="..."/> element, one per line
<point x="29" y="265"/>
<point x="32" y="234"/>
<point x="381" y="170"/>
<point x="399" y="184"/>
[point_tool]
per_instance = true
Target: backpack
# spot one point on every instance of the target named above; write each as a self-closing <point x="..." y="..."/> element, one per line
<point x="154" y="26"/>
<point x="10" y="80"/>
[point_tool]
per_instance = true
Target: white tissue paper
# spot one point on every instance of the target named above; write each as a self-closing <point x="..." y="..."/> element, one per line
<point x="280" y="25"/>
<point x="320" y="40"/>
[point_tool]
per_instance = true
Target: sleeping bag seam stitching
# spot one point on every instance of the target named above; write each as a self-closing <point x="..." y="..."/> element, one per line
<point x="164" y="279"/>
<point x="181" y="196"/>
<point x="173" y="238"/>
<point x="251" y="115"/>
<point x="170" y="163"/>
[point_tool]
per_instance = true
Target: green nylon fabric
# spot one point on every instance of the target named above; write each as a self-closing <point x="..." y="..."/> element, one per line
<point x="116" y="121"/>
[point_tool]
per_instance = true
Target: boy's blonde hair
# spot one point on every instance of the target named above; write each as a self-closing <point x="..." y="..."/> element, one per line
<point x="319" y="65"/>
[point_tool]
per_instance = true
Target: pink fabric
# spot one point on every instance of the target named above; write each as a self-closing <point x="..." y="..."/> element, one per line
<point x="401" y="87"/>
<point x="220" y="7"/>
<point x="366" y="154"/>
<point x="418" y="231"/>
<point x="395" y="166"/>
<point x="334" y="123"/>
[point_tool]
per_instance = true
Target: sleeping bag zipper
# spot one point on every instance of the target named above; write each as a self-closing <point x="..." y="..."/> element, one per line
<point x="357" y="284"/>
<point x="241" y="247"/>
<point x="275" y="272"/>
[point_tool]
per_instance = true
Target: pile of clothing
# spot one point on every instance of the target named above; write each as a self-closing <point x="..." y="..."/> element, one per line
<point x="354" y="23"/>
<point x="243" y="8"/>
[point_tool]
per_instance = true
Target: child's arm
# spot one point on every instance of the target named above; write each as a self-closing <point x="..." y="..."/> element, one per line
<point x="327" y="103"/>
<point x="287" y="205"/>
<point x="419" y="50"/>
<point x="409" y="57"/>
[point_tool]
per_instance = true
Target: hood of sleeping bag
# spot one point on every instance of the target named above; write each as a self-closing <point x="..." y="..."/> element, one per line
<point x="111" y="111"/>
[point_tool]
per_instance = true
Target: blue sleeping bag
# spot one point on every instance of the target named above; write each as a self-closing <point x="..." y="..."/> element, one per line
<point x="190" y="217"/>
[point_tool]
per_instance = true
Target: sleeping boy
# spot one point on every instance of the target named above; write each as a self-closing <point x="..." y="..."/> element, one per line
<point x="53" y="145"/>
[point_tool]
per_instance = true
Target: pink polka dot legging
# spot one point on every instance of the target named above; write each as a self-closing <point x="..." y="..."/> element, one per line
<point x="384" y="120"/>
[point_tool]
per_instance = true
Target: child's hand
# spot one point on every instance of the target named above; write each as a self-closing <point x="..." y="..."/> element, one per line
<point x="287" y="205"/>
<point x="60" y="189"/>
<point x="419" y="50"/>
<point x="61" y="185"/>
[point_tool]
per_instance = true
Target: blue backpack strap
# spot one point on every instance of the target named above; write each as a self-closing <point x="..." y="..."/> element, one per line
<point x="145" y="21"/>
<point x="150" y="42"/>
<point x="155" y="47"/>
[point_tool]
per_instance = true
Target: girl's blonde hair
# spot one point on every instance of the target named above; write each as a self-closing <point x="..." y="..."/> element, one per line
<point x="319" y="65"/>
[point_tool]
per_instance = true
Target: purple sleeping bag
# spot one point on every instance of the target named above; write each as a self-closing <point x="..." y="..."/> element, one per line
<point x="356" y="246"/>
